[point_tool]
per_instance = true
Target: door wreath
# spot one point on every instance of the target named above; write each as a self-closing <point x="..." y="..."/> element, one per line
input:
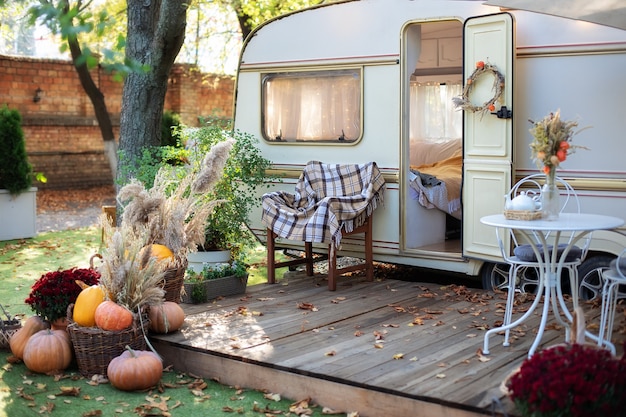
<point x="464" y="102"/>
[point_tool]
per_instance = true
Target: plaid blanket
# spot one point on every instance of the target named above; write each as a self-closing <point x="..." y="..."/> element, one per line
<point x="328" y="198"/>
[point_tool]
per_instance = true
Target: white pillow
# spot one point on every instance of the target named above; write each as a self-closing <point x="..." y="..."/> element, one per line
<point x="424" y="152"/>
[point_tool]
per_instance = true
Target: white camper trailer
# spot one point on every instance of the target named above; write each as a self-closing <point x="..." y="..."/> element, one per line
<point x="373" y="80"/>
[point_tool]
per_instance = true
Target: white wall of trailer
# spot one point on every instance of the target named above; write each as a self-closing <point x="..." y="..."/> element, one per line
<point x="564" y="64"/>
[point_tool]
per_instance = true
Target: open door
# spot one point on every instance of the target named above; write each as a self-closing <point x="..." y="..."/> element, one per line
<point x="487" y="136"/>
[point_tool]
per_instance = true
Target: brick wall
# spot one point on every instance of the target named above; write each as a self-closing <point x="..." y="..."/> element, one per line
<point x="62" y="136"/>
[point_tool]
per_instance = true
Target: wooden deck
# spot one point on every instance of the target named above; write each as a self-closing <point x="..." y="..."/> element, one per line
<point x="385" y="348"/>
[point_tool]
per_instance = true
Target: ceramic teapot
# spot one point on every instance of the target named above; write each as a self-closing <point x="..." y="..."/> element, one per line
<point x="522" y="202"/>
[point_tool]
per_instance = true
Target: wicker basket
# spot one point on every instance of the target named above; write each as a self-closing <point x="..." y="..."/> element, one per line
<point x="8" y="328"/>
<point x="173" y="283"/>
<point x="522" y="214"/>
<point x="94" y="348"/>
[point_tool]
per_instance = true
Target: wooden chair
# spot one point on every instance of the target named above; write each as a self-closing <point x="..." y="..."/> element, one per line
<point x="330" y="201"/>
<point x="333" y="272"/>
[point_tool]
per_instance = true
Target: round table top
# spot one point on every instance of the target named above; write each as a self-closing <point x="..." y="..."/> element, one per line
<point x="565" y="222"/>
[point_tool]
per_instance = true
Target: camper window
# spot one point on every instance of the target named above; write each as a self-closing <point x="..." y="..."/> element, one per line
<point x="432" y="113"/>
<point x="312" y="106"/>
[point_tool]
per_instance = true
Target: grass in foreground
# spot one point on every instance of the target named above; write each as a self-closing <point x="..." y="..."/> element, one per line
<point x="23" y="393"/>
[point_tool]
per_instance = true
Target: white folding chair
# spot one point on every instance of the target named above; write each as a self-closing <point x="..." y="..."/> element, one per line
<point x="523" y="271"/>
<point x="613" y="278"/>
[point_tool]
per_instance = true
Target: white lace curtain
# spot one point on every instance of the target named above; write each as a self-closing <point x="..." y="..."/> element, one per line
<point x="432" y="114"/>
<point x="313" y="107"/>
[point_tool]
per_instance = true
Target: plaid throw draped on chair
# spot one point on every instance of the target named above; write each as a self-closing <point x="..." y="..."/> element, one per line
<point x="328" y="198"/>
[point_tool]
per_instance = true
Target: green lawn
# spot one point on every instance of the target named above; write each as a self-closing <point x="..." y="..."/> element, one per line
<point x="25" y="394"/>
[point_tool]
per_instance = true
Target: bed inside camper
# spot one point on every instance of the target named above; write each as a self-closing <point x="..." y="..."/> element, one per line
<point x="434" y="158"/>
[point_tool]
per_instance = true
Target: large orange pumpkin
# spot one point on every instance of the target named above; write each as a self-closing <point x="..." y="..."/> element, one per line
<point x="135" y="370"/>
<point x="112" y="316"/>
<point x="18" y="340"/>
<point x="167" y="317"/>
<point x="48" y="351"/>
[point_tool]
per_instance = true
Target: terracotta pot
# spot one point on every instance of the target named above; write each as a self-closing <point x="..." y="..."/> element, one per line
<point x="59" y="324"/>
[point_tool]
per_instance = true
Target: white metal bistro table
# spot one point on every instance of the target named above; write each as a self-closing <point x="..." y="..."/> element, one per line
<point x="536" y="233"/>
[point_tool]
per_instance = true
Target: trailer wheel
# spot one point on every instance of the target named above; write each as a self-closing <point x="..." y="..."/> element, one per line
<point x="496" y="277"/>
<point x="590" y="280"/>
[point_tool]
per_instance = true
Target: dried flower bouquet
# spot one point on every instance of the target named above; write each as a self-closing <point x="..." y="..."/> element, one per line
<point x="174" y="210"/>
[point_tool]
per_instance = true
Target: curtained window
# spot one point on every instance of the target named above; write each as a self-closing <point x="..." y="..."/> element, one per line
<point x="312" y="106"/>
<point x="432" y="115"/>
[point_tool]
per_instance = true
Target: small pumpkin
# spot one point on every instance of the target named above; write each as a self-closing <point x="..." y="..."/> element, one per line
<point x="48" y="351"/>
<point x="135" y="370"/>
<point x="18" y="340"/>
<point x="166" y="317"/>
<point x="86" y="303"/>
<point x="160" y="252"/>
<point x="112" y="316"/>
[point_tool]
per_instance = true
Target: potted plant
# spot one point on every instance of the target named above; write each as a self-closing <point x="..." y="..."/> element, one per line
<point x="17" y="196"/>
<point x="569" y="380"/>
<point x="226" y="229"/>
<point x="215" y="280"/>
<point x="54" y="291"/>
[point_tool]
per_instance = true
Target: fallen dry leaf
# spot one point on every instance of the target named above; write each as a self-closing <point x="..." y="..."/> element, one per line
<point x="481" y="356"/>
<point x="398" y="356"/>
<point x="301" y="408"/>
<point x="307" y="306"/>
<point x="273" y="397"/>
<point x="330" y="353"/>
<point x="70" y="391"/>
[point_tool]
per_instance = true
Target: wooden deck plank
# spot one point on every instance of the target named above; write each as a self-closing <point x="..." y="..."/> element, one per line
<point x="264" y="340"/>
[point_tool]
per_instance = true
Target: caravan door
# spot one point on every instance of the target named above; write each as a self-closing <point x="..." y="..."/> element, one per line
<point x="487" y="135"/>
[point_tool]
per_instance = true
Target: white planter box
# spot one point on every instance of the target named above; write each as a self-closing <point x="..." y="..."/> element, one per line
<point x="197" y="260"/>
<point x="18" y="215"/>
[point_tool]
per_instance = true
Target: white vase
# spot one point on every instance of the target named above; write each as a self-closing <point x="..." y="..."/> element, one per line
<point x="197" y="260"/>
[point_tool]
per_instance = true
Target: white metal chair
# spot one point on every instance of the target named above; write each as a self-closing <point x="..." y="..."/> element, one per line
<point x="522" y="259"/>
<point x="613" y="278"/>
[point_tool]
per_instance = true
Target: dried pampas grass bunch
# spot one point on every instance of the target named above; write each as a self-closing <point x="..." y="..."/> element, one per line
<point x="174" y="211"/>
<point x="130" y="275"/>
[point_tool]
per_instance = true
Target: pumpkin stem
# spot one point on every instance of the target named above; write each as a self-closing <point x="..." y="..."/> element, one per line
<point x="81" y="284"/>
<point x="132" y="352"/>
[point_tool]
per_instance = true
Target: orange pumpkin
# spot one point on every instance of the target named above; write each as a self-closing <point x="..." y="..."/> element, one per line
<point x="112" y="316"/>
<point x="167" y="317"/>
<point x="19" y="338"/>
<point x="48" y="351"/>
<point x="135" y="370"/>
<point x="160" y="252"/>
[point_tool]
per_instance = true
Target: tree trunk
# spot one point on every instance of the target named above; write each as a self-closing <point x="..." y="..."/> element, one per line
<point x="97" y="100"/>
<point x="156" y="31"/>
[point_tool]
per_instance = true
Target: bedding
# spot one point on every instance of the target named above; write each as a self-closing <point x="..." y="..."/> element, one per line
<point x="438" y="185"/>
